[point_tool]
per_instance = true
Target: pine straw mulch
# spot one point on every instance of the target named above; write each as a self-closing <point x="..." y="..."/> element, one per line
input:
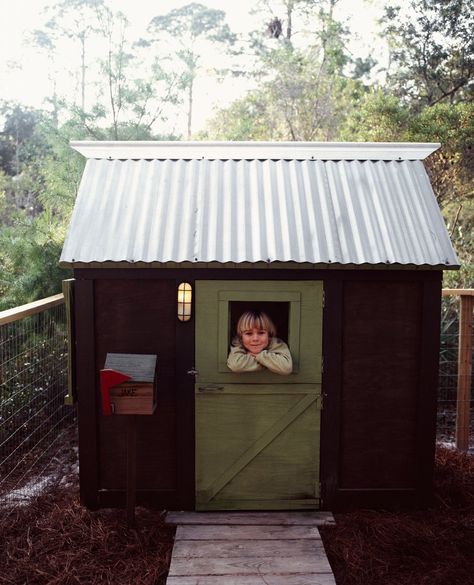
<point x="56" y="541"/>
<point x="431" y="547"/>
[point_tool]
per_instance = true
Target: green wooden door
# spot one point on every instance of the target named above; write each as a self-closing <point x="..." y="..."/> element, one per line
<point x="258" y="434"/>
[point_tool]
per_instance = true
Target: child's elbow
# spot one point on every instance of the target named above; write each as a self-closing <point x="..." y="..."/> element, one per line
<point x="282" y="367"/>
<point x="233" y="364"/>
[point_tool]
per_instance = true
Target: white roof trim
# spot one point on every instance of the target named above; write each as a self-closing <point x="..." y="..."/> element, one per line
<point x="255" y="150"/>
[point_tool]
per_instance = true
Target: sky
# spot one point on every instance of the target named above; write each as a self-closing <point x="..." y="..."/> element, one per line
<point x="23" y="71"/>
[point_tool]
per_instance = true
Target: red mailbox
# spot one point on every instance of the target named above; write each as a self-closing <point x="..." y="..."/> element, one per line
<point x="128" y="384"/>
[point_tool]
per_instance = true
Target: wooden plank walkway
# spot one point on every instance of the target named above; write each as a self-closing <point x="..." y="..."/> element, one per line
<point x="249" y="548"/>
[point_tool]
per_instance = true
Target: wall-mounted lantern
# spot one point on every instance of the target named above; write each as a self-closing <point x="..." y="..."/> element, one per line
<point x="185" y="297"/>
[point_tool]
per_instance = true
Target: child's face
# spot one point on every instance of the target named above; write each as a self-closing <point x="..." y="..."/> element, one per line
<point x="255" y="340"/>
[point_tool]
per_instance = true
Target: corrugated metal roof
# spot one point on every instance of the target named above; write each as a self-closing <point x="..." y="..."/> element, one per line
<point x="303" y="210"/>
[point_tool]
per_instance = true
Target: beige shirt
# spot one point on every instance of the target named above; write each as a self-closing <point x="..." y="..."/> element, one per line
<point x="276" y="358"/>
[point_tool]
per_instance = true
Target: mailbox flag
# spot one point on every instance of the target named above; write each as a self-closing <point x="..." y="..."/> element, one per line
<point x="109" y="379"/>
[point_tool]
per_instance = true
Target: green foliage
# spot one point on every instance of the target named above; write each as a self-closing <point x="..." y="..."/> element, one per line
<point x="76" y="20"/>
<point x="62" y="171"/>
<point x="188" y="33"/>
<point x="193" y="21"/>
<point x="376" y="117"/>
<point x="29" y="254"/>
<point x="20" y="141"/>
<point x="35" y="205"/>
<point x="23" y="148"/>
<point x="130" y="93"/>
<point x="432" y="50"/>
<point x="304" y="92"/>
<point x="131" y="104"/>
<point x="245" y="119"/>
<point x="452" y="168"/>
<point x="303" y="100"/>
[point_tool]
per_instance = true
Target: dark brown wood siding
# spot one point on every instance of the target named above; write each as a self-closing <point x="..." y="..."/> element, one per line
<point x="135" y="316"/>
<point x="380" y="380"/>
<point x="132" y="318"/>
<point x="381" y="386"/>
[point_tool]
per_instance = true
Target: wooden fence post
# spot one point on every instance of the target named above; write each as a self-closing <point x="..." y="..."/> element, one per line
<point x="464" y="365"/>
<point x="464" y="372"/>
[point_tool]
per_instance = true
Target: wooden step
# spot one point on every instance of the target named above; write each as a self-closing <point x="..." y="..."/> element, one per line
<point x="309" y="579"/>
<point x="249" y="548"/>
<point x="301" y="565"/>
<point x="252" y="518"/>
<point x="254" y="532"/>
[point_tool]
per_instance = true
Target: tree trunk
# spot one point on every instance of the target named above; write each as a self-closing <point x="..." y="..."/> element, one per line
<point x="83" y="72"/>
<point x="190" y="105"/>
<point x="289" y="11"/>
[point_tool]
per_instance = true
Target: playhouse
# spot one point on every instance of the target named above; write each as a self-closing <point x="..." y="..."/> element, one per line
<point x="341" y="244"/>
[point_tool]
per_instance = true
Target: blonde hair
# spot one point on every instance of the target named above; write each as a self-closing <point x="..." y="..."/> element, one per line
<point x="257" y="320"/>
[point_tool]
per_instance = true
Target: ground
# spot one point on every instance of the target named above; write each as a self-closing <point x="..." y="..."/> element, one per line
<point x="428" y="547"/>
<point x="53" y="540"/>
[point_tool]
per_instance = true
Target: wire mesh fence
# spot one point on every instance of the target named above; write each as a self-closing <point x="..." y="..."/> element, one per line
<point x="448" y="375"/>
<point x="34" y="422"/>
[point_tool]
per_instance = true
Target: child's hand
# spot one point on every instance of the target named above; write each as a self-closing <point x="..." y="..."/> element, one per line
<point x="253" y="353"/>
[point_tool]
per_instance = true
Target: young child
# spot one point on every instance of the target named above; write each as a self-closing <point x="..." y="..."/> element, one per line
<point x="256" y="348"/>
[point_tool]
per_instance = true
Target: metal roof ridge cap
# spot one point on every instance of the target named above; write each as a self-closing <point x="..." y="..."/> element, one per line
<point x="245" y="149"/>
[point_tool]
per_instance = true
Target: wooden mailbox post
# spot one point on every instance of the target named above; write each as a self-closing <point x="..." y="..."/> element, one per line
<point x="128" y="387"/>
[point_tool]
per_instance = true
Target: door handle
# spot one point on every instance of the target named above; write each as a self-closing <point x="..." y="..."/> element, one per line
<point x="210" y="388"/>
